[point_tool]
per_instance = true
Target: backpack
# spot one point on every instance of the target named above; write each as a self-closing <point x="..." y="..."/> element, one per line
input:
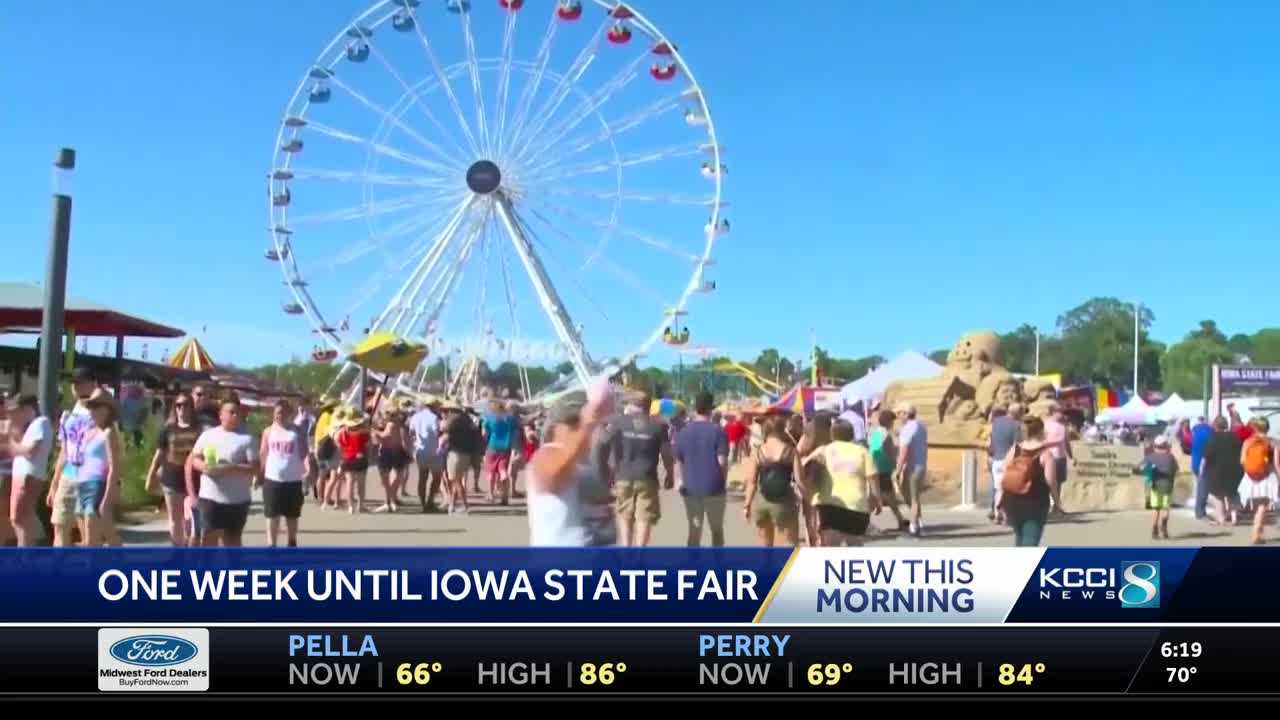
<point x="1020" y="473"/>
<point x="775" y="478"/>
<point x="1257" y="458"/>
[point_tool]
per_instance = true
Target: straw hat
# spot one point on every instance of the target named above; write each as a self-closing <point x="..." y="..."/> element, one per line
<point x="100" y="398"/>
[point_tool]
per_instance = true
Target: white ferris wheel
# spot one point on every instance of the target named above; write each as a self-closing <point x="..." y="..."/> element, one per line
<point x="529" y="173"/>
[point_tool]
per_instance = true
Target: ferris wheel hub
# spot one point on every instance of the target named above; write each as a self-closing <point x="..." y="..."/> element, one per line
<point x="484" y="177"/>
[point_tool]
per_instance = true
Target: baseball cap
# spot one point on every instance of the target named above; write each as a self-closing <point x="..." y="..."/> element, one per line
<point x="1161" y="441"/>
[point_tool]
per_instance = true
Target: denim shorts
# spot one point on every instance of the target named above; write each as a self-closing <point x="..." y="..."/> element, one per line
<point x="89" y="497"/>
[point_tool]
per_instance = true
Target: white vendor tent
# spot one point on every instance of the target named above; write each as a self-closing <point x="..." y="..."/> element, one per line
<point x="1134" y="412"/>
<point x="910" y="365"/>
<point x="1176" y="408"/>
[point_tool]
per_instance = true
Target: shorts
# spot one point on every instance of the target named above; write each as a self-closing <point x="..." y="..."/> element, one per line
<point x="997" y="475"/>
<point x="282" y="499"/>
<point x="327" y="452"/>
<point x="88" y="496"/>
<point x="392" y="459"/>
<point x="1161" y="500"/>
<point x="711" y="507"/>
<point x="225" y="517"/>
<point x="1060" y="466"/>
<point x="781" y="515"/>
<point x="849" y="522"/>
<point x="457" y="465"/>
<point x="884" y="480"/>
<point x="173" y="479"/>
<point x="64" y="504"/>
<point x="430" y="459"/>
<point x="638" y="500"/>
<point x="356" y="465"/>
<point x="913" y="484"/>
<point x="497" y="462"/>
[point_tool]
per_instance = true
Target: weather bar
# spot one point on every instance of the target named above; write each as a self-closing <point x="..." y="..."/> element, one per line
<point x="641" y="661"/>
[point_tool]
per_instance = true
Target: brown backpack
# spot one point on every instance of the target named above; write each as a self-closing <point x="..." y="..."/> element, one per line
<point x="1257" y="458"/>
<point x="1020" y="472"/>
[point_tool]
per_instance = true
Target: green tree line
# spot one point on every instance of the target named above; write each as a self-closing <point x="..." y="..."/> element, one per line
<point x="1090" y="343"/>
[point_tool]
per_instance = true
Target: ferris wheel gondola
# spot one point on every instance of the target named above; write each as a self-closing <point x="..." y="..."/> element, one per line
<point x="474" y="185"/>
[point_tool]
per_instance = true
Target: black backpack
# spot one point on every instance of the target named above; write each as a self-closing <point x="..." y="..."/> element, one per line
<point x="775" y="478"/>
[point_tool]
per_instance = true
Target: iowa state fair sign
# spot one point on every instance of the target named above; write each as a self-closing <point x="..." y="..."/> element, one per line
<point x="1249" y="379"/>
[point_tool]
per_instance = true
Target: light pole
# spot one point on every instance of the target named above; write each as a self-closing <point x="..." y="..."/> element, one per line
<point x="55" y="283"/>
<point x="1137" y="312"/>
<point x="1037" y="330"/>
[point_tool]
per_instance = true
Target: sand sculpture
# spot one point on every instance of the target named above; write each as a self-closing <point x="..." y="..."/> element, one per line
<point x="956" y="405"/>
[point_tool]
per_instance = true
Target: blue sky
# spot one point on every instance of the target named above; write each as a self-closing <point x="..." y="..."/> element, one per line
<point x="900" y="172"/>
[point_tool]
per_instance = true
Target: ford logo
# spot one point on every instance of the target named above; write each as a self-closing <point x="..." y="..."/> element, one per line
<point x="153" y="650"/>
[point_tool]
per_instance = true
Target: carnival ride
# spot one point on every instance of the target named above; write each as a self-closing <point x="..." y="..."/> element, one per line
<point x="462" y="167"/>
<point x="765" y="385"/>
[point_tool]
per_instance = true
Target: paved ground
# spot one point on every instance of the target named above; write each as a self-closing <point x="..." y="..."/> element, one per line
<point x="496" y="526"/>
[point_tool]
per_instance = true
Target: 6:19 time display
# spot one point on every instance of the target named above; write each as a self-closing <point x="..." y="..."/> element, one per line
<point x="1181" y="649"/>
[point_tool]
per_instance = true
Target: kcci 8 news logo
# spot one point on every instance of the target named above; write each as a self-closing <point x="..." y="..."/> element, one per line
<point x="1136" y="585"/>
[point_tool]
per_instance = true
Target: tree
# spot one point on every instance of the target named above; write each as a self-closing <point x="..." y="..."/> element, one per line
<point x="1209" y="331"/>
<point x="1097" y="343"/>
<point x="771" y="365"/>
<point x="1265" y="347"/>
<point x="565" y="368"/>
<point x="939" y="356"/>
<point x="311" y="378"/>
<point x="849" y="369"/>
<point x="1182" y="367"/>
<point x="1241" y="344"/>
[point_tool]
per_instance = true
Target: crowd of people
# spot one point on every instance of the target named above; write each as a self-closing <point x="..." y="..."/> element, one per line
<point x="816" y="482"/>
<point x="1234" y="465"/>
<point x="594" y="474"/>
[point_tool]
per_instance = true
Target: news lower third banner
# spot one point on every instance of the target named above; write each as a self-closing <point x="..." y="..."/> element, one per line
<point x="851" y="586"/>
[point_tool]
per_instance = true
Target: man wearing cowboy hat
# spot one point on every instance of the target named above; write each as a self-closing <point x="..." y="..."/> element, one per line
<point x="424" y="427"/>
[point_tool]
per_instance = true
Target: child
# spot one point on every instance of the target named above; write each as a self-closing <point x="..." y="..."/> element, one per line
<point x="1160" y="468"/>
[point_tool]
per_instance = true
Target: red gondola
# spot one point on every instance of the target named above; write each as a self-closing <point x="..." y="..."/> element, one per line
<point x="663" y="72"/>
<point x="663" y="48"/>
<point x="569" y="10"/>
<point x="619" y="34"/>
<point x="621" y="12"/>
<point x="511" y="5"/>
<point x="323" y="355"/>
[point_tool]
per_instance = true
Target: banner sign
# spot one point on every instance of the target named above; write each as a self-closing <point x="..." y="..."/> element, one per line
<point x="836" y="586"/>
<point x="1249" y="379"/>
